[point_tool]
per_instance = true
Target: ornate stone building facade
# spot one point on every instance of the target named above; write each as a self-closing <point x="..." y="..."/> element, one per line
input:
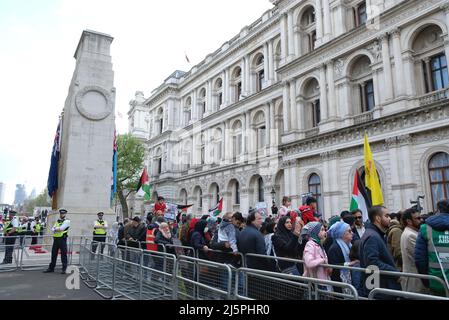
<point x="283" y="107"/>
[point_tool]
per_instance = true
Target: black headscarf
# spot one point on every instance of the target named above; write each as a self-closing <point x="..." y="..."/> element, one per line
<point x="200" y="226"/>
<point x="281" y="229"/>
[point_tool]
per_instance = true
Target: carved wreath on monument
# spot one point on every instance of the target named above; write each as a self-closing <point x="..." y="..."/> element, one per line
<point x="94" y="103"/>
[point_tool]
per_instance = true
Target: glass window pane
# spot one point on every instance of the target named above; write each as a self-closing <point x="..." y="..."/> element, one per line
<point x="436" y="176"/>
<point x="314" y="179"/>
<point x="446" y="195"/>
<point x="445" y="77"/>
<point x="437" y="83"/>
<point x="443" y="61"/>
<point x="370" y="101"/>
<point x="435" y="63"/>
<point x="446" y="174"/>
<point x="439" y="160"/>
<point x="437" y="192"/>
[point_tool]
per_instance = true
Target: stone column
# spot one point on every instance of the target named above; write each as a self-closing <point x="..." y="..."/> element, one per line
<point x="284" y="34"/>
<point x="376" y="87"/>
<point x="248" y="148"/>
<point x="194" y="106"/>
<point x="301" y="114"/>
<point x="294" y="110"/>
<point x="270" y="73"/>
<point x="319" y="22"/>
<point x="445" y="8"/>
<point x="226" y="88"/>
<point x="340" y="27"/>
<point x="291" y="180"/>
<point x="327" y="20"/>
<point x="248" y="87"/>
<point x="409" y="74"/>
<point x="346" y="98"/>
<point x="388" y="79"/>
<point x="297" y="36"/>
<point x="394" y="166"/>
<point x="398" y="63"/>
<point x="272" y="125"/>
<point x="408" y="180"/>
<point x="209" y="104"/>
<point x="323" y="94"/>
<point x="332" y="96"/>
<point x="225" y="148"/>
<point x="291" y="43"/>
<point x="286" y="107"/>
<point x="268" y="122"/>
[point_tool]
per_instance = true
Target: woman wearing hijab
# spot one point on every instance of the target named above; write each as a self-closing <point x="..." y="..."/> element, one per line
<point x="286" y="244"/>
<point x="314" y="254"/>
<point x="198" y="239"/>
<point x="341" y="232"/>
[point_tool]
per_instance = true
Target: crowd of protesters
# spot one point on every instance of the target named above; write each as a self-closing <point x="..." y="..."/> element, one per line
<point x="405" y="241"/>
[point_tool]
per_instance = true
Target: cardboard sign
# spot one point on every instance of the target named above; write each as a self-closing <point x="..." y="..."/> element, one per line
<point x="171" y="212"/>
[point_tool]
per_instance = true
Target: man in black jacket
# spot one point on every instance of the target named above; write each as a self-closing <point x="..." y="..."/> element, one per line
<point x="374" y="252"/>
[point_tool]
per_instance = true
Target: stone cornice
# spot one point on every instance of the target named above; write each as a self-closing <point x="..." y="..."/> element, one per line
<point x="403" y="120"/>
<point x="357" y="38"/>
<point x="160" y="95"/>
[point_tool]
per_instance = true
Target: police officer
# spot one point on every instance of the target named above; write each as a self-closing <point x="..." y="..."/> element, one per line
<point x="60" y="233"/>
<point x="10" y="233"/>
<point x="36" y="228"/>
<point x="100" y="231"/>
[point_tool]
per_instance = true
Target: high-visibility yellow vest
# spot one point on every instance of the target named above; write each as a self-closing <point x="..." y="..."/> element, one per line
<point x="37" y="227"/>
<point x="8" y="226"/>
<point x="60" y="234"/>
<point x="99" y="231"/>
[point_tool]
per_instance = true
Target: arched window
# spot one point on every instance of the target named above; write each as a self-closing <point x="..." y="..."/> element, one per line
<point x="260" y="72"/>
<point x="439" y="177"/>
<point x="361" y="76"/>
<point x="202" y="102"/>
<point x="311" y="96"/>
<point x="430" y="60"/>
<point x="219" y="93"/>
<point x="203" y="150"/>
<point x="200" y="198"/>
<point x="307" y="25"/>
<point x="237" y="83"/>
<point x="260" y="185"/>
<point x="237" y="145"/>
<point x="315" y="189"/>
<point x="188" y="111"/>
<point x="160" y="120"/>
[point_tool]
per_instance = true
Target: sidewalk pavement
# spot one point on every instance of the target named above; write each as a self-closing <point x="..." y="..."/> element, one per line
<point x="35" y="285"/>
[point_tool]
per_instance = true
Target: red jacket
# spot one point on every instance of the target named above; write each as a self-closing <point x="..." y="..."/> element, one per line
<point x="307" y="214"/>
<point x="161" y="207"/>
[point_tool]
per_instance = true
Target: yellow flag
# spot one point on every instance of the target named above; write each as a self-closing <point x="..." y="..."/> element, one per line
<point x="371" y="178"/>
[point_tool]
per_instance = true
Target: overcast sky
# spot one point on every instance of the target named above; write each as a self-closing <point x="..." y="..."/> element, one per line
<point x="38" y="39"/>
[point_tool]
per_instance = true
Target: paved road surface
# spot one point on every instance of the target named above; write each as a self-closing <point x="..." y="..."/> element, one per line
<point x="35" y="285"/>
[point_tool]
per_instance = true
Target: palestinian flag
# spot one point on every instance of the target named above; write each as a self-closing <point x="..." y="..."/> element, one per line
<point x="143" y="188"/>
<point x="359" y="198"/>
<point x="216" y="211"/>
<point x="184" y="207"/>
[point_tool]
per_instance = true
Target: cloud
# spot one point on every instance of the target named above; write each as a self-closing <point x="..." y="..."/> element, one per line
<point x="36" y="62"/>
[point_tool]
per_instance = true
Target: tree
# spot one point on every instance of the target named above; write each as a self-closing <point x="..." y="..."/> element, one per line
<point x="40" y="201"/>
<point x="130" y="161"/>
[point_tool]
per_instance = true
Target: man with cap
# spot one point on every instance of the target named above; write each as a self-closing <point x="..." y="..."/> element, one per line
<point x="10" y="233"/>
<point x="100" y="232"/>
<point x="60" y="232"/>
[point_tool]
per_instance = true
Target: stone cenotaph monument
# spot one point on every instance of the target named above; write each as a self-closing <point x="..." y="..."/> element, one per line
<point x="85" y="164"/>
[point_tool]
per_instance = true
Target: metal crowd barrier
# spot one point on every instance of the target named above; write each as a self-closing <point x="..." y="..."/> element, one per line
<point x="268" y="259"/>
<point x="158" y="275"/>
<point x="106" y="262"/>
<point x="128" y="273"/>
<point x="199" y="279"/>
<point x="267" y="285"/>
<point x="402" y="294"/>
<point x="13" y="251"/>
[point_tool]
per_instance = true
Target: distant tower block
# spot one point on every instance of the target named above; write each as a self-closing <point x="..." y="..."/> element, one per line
<point x="87" y="136"/>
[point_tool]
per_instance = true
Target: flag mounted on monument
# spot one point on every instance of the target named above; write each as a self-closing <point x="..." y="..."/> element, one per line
<point x="216" y="211"/>
<point x="359" y="198"/>
<point x="144" y="188"/>
<point x="52" y="182"/>
<point x="372" y="183"/>
<point x="114" y="168"/>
